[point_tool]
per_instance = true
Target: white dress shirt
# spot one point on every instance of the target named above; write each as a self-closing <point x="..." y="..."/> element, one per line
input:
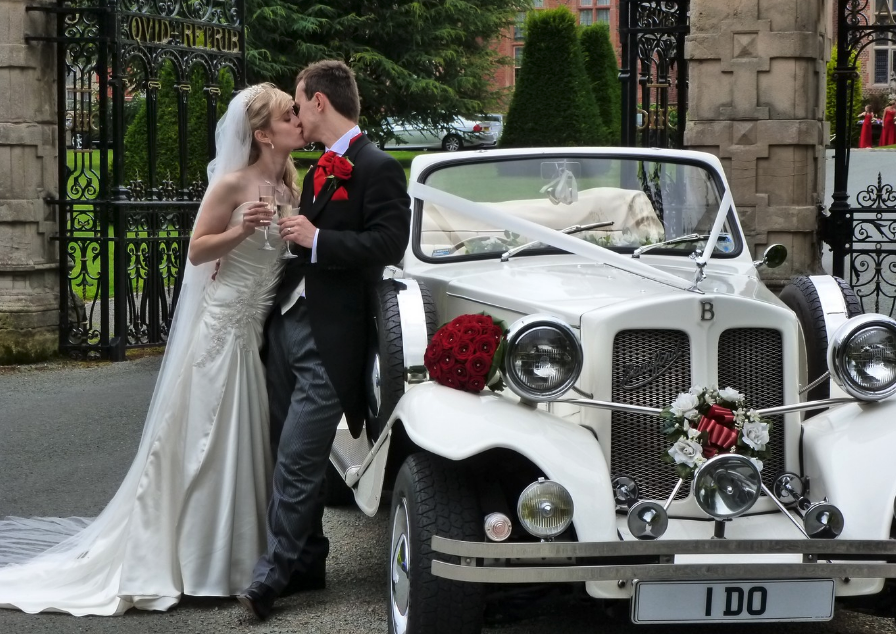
<point x="339" y="148"/>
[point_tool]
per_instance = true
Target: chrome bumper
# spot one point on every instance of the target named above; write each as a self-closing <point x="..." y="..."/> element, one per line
<point x="486" y="562"/>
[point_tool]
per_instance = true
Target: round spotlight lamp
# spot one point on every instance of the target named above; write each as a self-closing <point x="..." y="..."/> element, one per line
<point x="625" y="491"/>
<point x="862" y="357"/>
<point x="727" y="486"/>
<point x="543" y="358"/>
<point x="545" y="509"/>
<point x="788" y="488"/>
<point x="823" y="521"/>
<point x="647" y="520"/>
<point x="497" y="527"/>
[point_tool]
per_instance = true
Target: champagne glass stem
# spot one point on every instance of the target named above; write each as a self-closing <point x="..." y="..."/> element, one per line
<point x="267" y="194"/>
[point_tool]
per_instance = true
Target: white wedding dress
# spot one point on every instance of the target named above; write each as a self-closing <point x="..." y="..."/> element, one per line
<point x="189" y="517"/>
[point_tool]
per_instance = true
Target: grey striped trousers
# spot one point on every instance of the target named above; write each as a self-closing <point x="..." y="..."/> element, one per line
<point x="305" y="412"/>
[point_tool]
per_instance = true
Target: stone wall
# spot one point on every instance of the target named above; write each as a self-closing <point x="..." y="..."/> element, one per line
<point x="29" y="287"/>
<point x="756" y="100"/>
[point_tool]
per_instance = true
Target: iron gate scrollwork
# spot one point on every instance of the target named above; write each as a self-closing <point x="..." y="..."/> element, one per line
<point x="140" y="86"/>
<point x="654" y="72"/>
<point x="862" y="237"/>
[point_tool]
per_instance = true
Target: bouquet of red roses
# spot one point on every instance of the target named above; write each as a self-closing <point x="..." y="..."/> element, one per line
<point x="466" y="353"/>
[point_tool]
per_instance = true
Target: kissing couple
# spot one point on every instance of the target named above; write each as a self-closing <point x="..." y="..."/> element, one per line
<point x="224" y="496"/>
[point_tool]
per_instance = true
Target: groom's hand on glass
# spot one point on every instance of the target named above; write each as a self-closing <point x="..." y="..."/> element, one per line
<point x="298" y="230"/>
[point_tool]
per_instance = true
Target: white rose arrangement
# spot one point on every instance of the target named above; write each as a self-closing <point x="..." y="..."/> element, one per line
<point x="704" y="422"/>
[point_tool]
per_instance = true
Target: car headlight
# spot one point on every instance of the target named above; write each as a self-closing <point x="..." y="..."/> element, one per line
<point x="862" y="357"/>
<point x="545" y="509"/>
<point x="543" y="357"/>
<point x="727" y="486"/>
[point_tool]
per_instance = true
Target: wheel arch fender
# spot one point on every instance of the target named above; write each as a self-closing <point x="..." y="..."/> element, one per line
<point x="458" y="425"/>
<point x="848" y="458"/>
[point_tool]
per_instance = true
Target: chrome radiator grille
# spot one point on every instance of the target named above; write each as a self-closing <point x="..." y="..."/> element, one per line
<point x="749" y="360"/>
<point x="637" y="444"/>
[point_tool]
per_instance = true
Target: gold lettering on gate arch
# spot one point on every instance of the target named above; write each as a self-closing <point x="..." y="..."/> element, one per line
<point x="156" y="31"/>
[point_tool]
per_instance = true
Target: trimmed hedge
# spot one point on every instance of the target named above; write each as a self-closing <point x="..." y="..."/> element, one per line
<point x="603" y="74"/>
<point x="167" y="130"/>
<point x="552" y="103"/>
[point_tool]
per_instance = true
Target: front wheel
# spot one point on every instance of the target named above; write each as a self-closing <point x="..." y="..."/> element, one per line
<point x="431" y="496"/>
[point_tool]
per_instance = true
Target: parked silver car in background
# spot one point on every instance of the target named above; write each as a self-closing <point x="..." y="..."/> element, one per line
<point x="495" y="122"/>
<point x="460" y="134"/>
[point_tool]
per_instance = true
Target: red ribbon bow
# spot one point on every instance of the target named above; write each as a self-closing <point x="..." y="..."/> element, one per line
<point x="718" y="423"/>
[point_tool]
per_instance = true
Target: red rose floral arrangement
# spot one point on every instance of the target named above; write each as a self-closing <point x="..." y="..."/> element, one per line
<point x="466" y="353"/>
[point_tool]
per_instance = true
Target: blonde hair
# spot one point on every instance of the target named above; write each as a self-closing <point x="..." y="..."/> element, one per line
<point x="268" y="103"/>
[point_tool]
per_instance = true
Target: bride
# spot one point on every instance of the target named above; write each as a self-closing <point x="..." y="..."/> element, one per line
<point x="189" y="517"/>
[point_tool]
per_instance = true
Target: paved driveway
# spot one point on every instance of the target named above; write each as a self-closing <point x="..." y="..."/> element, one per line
<point x="67" y="436"/>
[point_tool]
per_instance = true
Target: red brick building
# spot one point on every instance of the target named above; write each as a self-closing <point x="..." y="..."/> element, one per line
<point x="878" y="60"/>
<point x="586" y="12"/>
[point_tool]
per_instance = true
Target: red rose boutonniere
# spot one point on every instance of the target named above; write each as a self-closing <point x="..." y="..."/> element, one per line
<point x="336" y="169"/>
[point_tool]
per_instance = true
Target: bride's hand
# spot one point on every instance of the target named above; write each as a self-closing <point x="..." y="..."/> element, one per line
<point x="257" y="215"/>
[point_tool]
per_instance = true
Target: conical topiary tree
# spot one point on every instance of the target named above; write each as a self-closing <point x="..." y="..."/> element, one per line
<point x="552" y="103"/>
<point x="603" y="73"/>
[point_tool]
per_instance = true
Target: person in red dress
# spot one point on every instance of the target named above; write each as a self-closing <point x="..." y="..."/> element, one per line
<point x="865" y="138"/>
<point x="888" y="134"/>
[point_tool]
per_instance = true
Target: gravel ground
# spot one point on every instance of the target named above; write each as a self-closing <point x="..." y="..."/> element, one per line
<point x="67" y="435"/>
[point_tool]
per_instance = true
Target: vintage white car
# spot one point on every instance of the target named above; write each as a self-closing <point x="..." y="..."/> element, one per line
<point x="625" y="279"/>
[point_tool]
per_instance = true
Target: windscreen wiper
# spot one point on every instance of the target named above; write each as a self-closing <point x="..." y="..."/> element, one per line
<point x="691" y="237"/>
<point x="569" y="231"/>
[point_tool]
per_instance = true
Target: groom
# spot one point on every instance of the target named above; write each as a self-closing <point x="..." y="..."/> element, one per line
<point x="354" y="221"/>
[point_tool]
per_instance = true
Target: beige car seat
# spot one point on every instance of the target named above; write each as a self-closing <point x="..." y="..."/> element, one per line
<point x="633" y="217"/>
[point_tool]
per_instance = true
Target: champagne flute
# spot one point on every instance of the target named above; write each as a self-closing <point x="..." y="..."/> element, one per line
<point x="287" y="211"/>
<point x="267" y="194"/>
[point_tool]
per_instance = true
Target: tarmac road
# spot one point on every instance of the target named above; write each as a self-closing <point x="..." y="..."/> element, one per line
<point x="67" y="436"/>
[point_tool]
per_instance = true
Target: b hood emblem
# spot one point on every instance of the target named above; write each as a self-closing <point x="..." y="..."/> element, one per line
<point x="635" y="375"/>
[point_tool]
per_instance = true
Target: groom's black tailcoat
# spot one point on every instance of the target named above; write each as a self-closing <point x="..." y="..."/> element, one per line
<point x="358" y="237"/>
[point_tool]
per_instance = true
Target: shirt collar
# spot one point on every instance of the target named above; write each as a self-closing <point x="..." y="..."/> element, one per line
<point x="341" y="146"/>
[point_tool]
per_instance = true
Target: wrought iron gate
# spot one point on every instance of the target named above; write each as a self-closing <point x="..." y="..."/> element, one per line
<point x="862" y="236"/>
<point x="140" y="85"/>
<point x="653" y="64"/>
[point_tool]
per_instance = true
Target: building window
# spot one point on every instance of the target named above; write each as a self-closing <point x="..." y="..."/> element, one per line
<point x="538" y="4"/>
<point x="586" y="3"/>
<point x="586" y="17"/>
<point x="518" y="26"/>
<point x="884" y="12"/>
<point x="603" y="3"/>
<point x="884" y="63"/>
<point x="517" y="62"/>
<point x="603" y="15"/>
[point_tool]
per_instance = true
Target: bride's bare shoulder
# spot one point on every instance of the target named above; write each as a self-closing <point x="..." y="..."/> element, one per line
<point x="229" y="188"/>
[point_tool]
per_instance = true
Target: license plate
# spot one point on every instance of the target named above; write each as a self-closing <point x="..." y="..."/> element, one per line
<point x="701" y="602"/>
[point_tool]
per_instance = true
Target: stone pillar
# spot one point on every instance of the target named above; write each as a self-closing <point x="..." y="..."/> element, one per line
<point x="756" y="100"/>
<point x="29" y="286"/>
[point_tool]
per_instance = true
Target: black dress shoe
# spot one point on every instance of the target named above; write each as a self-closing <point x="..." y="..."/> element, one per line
<point x="258" y="599"/>
<point x="315" y="578"/>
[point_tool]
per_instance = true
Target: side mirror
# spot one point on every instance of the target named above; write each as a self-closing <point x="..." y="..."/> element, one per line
<point x="773" y="256"/>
